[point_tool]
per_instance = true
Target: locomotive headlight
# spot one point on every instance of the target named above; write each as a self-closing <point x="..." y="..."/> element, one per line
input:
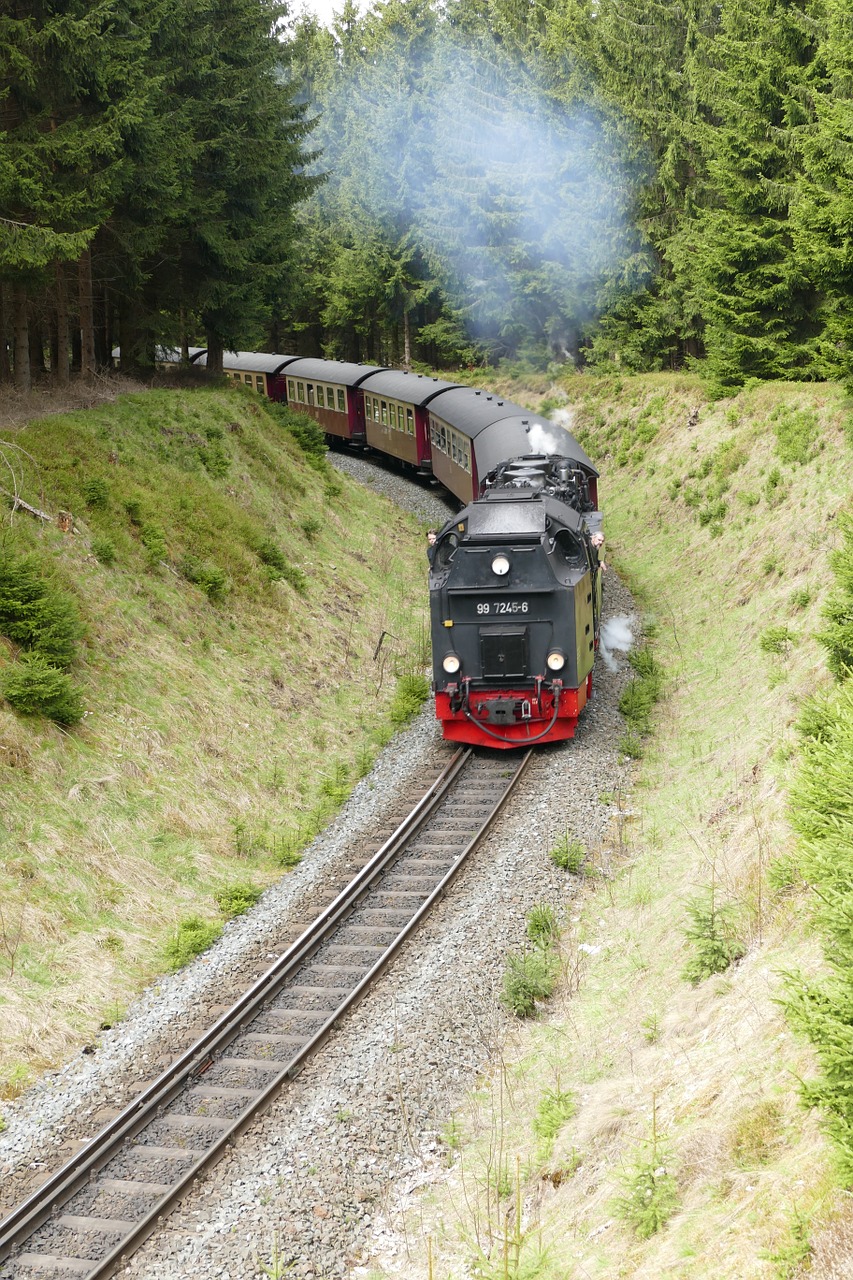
<point x="556" y="660"/>
<point x="451" y="663"/>
<point x="500" y="566"/>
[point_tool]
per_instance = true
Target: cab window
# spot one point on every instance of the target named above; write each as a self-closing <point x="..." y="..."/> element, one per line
<point x="445" y="551"/>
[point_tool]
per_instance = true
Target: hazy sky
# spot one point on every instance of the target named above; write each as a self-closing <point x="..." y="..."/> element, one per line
<point x="322" y="8"/>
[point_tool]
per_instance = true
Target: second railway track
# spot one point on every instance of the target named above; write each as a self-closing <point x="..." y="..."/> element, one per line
<point x="91" y="1215"/>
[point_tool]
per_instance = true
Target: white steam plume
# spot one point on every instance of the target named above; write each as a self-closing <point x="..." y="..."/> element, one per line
<point x="519" y="205"/>
<point x="616" y="635"/>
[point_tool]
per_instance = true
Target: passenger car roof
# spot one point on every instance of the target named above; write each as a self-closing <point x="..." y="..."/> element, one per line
<point x="250" y="361"/>
<point x="415" y="388"/>
<point x="472" y="411"/>
<point x="351" y="375"/>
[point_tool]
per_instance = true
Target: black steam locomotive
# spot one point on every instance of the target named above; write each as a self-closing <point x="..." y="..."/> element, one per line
<point x="514" y="578"/>
<point x="515" y="601"/>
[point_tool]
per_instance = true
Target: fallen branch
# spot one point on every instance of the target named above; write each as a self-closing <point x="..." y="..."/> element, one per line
<point x="34" y="511"/>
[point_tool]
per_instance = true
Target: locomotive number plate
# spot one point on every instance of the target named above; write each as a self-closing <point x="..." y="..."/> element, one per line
<point x="500" y="608"/>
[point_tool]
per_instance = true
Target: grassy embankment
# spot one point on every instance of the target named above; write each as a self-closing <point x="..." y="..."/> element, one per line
<point x="646" y="1124"/>
<point x="232" y="597"/>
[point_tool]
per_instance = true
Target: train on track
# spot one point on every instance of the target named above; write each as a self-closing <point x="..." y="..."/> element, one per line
<point x="515" y="577"/>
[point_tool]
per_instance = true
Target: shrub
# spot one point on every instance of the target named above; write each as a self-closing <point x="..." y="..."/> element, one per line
<point x="36" y="614"/>
<point x="192" y="937"/>
<point x="639" y="698"/>
<point x="411" y="693"/>
<point x="650" y="1198"/>
<point x="542" y="926"/>
<point x="556" y="1106"/>
<point x="529" y="977"/>
<point x="235" y="899"/>
<point x="841" y="561"/>
<point x="104" y="550"/>
<point x="311" y="528"/>
<point x="308" y="434"/>
<point x="796" y="434"/>
<point x="568" y="854"/>
<point x="712" y="933"/>
<point x="96" y="493"/>
<point x="214" y="456"/>
<point x="837" y="635"/>
<point x="208" y="577"/>
<point x="154" y="541"/>
<point x="801" y="598"/>
<point x="336" y="785"/>
<point x="631" y="745"/>
<point x="774" y="487"/>
<point x="271" y="554"/>
<point x="713" y="513"/>
<point x="728" y="458"/>
<point x="817" y="719"/>
<point x="776" y="640"/>
<point x="278" y="566"/>
<point x="35" y="688"/>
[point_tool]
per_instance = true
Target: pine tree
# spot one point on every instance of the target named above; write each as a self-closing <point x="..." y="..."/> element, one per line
<point x="72" y="84"/>
<point x="822" y="206"/>
<point x="750" y="285"/>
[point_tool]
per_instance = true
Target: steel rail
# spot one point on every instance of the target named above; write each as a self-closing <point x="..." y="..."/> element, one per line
<point x="189" y="1067"/>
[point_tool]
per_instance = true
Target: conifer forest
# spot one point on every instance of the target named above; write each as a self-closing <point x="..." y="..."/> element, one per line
<point x="643" y="184"/>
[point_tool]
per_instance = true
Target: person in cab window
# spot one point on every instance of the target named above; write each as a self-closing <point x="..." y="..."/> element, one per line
<point x="597" y="541"/>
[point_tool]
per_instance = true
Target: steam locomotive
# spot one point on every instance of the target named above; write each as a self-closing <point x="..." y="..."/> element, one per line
<point x="515" y="580"/>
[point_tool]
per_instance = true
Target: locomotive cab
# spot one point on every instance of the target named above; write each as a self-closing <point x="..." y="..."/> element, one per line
<point x="514" y="598"/>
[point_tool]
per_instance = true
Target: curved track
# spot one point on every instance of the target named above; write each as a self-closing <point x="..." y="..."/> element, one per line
<point x="100" y="1206"/>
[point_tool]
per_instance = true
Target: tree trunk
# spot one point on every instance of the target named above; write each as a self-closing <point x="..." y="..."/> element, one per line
<point x="101" y="327"/>
<point x="214" y="354"/>
<point x="60" y="362"/>
<point x="185" y="342"/>
<point x="407" y="341"/>
<point x="23" y="379"/>
<point x="87" y="317"/>
<point x="36" y="343"/>
<point x="5" y="318"/>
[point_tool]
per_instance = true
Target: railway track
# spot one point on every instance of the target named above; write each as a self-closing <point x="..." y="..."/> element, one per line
<point x="88" y="1218"/>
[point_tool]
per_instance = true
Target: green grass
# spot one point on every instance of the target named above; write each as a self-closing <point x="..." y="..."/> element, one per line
<point x="229" y="709"/>
<point x="707" y="803"/>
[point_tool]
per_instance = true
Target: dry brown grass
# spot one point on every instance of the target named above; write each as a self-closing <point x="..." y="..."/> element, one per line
<point x="19" y="407"/>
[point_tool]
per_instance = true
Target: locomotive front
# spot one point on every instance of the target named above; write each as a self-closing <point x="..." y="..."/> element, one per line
<point x="515" y="592"/>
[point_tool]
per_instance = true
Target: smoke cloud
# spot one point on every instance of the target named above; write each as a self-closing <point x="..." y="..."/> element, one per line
<point x="519" y="205"/>
<point x="616" y="636"/>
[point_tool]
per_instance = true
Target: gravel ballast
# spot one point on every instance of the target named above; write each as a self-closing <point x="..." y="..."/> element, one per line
<point x="304" y="1191"/>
